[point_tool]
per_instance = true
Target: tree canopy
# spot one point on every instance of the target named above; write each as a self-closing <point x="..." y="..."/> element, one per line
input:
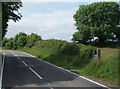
<point x="10" y="11"/>
<point x="99" y="19"/>
<point x="21" y="40"/>
<point x="32" y="38"/>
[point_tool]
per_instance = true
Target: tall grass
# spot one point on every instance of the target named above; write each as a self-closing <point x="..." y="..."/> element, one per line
<point x="106" y="68"/>
<point x="62" y="53"/>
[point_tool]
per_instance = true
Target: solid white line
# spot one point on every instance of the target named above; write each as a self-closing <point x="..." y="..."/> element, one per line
<point x="69" y="71"/>
<point x="2" y="71"/>
<point x="28" y="67"/>
<point x="94" y="82"/>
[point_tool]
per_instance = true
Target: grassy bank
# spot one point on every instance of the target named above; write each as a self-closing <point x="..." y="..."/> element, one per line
<point x="61" y="53"/>
<point x="106" y="70"/>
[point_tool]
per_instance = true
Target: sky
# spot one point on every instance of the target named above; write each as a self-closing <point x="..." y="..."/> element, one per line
<point x="50" y="20"/>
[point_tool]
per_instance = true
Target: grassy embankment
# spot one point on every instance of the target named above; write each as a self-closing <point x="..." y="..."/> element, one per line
<point x="78" y="58"/>
<point x="107" y="70"/>
<point x="61" y="53"/>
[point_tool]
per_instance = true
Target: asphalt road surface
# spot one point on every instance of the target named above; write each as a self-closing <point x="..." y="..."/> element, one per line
<point x="22" y="70"/>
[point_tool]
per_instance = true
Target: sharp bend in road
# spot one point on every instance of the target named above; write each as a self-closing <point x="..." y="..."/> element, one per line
<point x="23" y="70"/>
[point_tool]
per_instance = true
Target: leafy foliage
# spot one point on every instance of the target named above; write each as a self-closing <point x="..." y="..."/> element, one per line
<point x="31" y="39"/>
<point x="61" y="53"/>
<point x="99" y="20"/>
<point x="4" y="41"/>
<point x="20" y="40"/>
<point x="10" y="12"/>
<point x="71" y="49"/>
<point x="9" y="44"/>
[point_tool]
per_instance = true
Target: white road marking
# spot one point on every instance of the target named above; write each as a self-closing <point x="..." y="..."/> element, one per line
<point x="35" y="73"/>
<point x="28" y="66"/>
<point x="94" y="82"/>
<point x="70" y="72"/>
<point x="2" y="71"/>
<point x="24" y="63"/>
<point x="51" y="88"/>
<point x="16" y="55"/>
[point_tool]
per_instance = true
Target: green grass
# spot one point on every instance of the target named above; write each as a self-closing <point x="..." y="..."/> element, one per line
<point x="107" y="53"/>
<point x="61" y="53"/>
<point x="106" y="69"/>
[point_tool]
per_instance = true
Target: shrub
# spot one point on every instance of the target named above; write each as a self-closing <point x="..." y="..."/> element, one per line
<point x="71" y="49"/>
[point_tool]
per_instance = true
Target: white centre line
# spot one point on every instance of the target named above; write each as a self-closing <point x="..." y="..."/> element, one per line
<point x="24" y="63"/>
<point x="51" y="88"/>
<point x="28" y="66"/>
<point x="35" y="73"/>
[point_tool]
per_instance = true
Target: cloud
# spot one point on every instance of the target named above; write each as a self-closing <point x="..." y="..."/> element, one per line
<point x="58" y="25"/>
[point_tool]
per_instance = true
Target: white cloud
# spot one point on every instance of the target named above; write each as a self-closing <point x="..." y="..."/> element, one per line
<point x="58" y="25"/>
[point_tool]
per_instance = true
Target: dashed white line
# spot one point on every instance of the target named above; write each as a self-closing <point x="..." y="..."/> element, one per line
<point x="69" y="71"/>
<point x="24" y="63"/>
<point x="15" y="55"/>
<point x="51" y="88"/>
<point x="28" y="66"/>
<point x="35" y="73"/>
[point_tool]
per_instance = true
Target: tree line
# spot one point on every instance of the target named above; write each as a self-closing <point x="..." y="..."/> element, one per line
<point x="21" y="40"/>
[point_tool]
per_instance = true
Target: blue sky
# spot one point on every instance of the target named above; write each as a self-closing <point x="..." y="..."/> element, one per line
<point x="48" y="19"/>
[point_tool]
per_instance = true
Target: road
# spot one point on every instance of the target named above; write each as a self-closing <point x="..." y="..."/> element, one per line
<point x="23" y="70"/>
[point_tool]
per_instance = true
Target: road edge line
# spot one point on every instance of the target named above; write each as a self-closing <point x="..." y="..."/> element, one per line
<point x="69" y="71"/>
<point x="2" y="70"/>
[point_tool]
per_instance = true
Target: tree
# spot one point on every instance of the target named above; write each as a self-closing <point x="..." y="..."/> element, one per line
<point x="4" y="41"/>
<point x="20" y="39"/>
<point x="83" y="35"/>
<point x="9" y="45"/>
<point x="99" y="20"/>
<point x="32" y="38"/>
<point x="10" y="12"/>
